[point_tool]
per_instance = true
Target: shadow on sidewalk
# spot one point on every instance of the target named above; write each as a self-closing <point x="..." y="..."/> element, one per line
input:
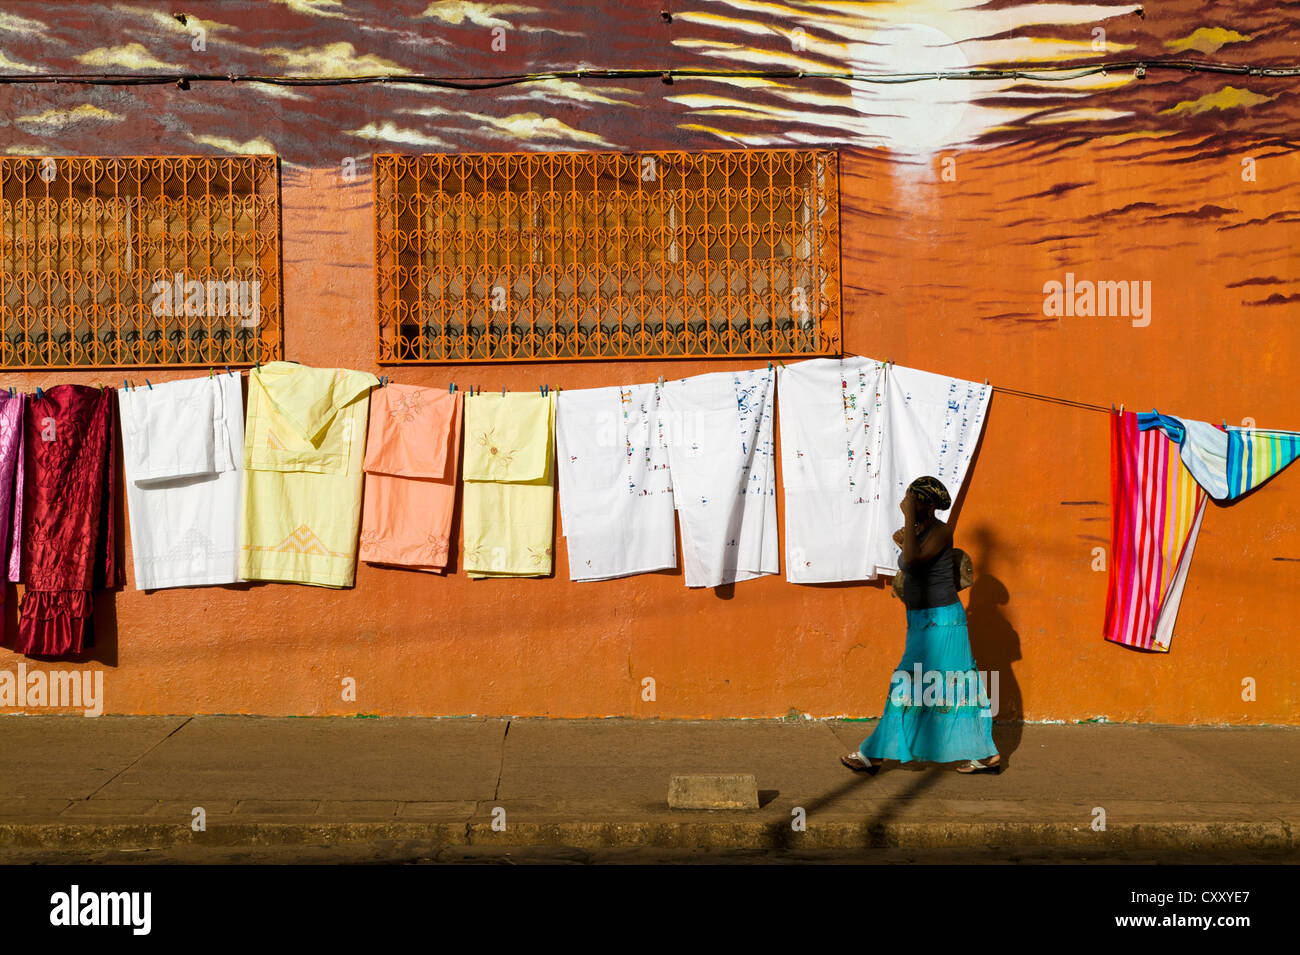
<point x="782" y="836"/>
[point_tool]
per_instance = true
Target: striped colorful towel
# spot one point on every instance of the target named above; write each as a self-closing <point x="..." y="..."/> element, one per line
<point x="1256" y="455"/>
<point x="1229" y="462"/>
<point x="1156" y="514"/>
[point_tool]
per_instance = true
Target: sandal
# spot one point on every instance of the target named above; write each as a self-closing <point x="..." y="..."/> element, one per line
<point x="855" y="762"/>
<point x="989" y="764"/>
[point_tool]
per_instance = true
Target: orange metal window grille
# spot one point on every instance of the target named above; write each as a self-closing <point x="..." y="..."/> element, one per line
<point x="527" y="257"/>
<point x="127" y="262"/>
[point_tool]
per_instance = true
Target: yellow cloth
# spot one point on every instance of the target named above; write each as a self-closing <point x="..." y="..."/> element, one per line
<point x="304" y="444"/>
<point x="509" y="476"/>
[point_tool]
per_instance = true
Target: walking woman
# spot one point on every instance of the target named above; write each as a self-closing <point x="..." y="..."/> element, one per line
<point x="915" y="725"/>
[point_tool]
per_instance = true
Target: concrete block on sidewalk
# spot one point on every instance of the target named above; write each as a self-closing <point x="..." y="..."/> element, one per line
<point x="713" y="791"/>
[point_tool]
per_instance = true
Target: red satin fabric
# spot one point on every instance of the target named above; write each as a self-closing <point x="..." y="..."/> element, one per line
<point x="70" y="526"/>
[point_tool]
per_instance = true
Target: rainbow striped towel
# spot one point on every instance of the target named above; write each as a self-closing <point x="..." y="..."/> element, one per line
<point x="1156" y="514"/>
<point x="1230" y="462"/>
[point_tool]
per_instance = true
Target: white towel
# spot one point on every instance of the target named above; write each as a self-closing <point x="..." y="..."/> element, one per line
<point x="720" y="450"/>
<point x="171" y="429"/>
<point x="616" y="504"/>
<point x="933" y="425"/>
<point x="832" y="425"/>
<point x="181" y="448"/>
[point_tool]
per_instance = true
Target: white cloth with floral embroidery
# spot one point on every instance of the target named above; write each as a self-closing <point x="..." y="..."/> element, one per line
<point x="933" y="426"/>
<point x="616" y="503"/>
<point x="832" y="426"/>
<point x="721" y="456"/>
<point x="182" y="443"/>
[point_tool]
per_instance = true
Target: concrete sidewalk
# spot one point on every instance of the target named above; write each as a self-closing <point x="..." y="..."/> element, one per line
<point x="71" y="786"/>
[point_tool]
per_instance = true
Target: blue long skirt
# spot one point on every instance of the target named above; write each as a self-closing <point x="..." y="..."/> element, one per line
<point x="938" y="708"/>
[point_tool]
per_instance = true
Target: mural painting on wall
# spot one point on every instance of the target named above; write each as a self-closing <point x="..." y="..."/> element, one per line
<point x="1033" y="143"/>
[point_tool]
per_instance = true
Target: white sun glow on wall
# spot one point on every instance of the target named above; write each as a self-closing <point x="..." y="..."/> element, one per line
<point x="915" y="118"/>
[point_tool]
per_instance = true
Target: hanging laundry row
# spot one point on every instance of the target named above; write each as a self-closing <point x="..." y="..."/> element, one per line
<point x="216" y="494"/>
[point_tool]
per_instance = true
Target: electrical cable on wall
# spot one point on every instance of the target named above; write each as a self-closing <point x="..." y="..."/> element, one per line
<point x="1042" y="72"/>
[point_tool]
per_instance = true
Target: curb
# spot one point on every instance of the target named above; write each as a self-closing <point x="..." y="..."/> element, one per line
<point x="1181" y="836"/>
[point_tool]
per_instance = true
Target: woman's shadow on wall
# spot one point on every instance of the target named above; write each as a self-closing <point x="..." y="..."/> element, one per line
<point x="994" y="641"/>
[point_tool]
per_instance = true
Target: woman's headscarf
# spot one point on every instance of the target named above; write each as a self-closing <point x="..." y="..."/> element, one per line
<point x="930" y="490"/>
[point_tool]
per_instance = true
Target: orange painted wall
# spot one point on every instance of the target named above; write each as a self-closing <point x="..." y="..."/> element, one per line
<point x="1109" y="177"/>
<point x="919" y="288"/>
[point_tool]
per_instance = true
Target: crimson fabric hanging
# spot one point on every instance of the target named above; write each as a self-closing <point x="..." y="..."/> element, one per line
<point x="70" y="517"/>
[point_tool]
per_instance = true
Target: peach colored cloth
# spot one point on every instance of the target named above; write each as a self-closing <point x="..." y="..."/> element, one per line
<point x="412" y="459"/>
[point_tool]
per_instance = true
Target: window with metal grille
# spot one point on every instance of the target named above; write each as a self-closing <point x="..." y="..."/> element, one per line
<point x="528" y="257"/>
<point x="127" y="262"/>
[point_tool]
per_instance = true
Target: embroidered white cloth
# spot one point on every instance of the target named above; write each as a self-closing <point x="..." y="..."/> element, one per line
<point x="181" y="449"/>
<point x="932" y="426"/>
<point x="616" y="503"/>
<point x="832" y="426"/>
<point x="721" y="456"/>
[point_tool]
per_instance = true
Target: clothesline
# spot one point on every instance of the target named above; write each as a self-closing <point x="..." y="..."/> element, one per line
<point x="1068" y="402"/>
<point x="546" y="389"/>
<point x="1000" y="389"/>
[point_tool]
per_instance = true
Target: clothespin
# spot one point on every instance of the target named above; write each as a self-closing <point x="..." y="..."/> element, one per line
<point x="146" y="381"/>
<point x="661" y="381"/>
<point x="1121" y="407"/>
<point x="126" y="384"/>
<point x="503" y="391"/>
<point x="209" y="374"/>
<point x="986" y="381"/>
<point x="769" y="366"/>
<point x="228" y="371"/>
<point x="451" y="389"/>
<point x="39" y="393"/>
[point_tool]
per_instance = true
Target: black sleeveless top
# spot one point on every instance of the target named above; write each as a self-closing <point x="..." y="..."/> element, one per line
<point x="930" y="583"/>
